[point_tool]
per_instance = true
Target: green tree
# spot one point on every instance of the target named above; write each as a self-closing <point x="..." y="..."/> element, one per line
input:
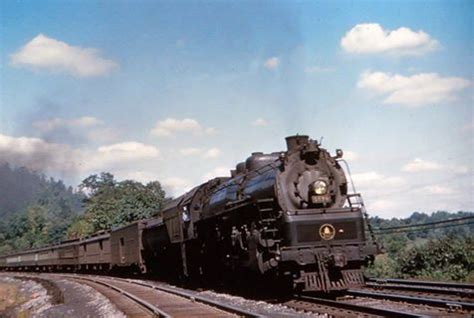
<point x="432" y="252"/>
<point x="38" y="226"/>
<point x="79" y="228"/>
<point x="383" y="266"/>
<point x="447" y="258"/>
<point x="47" y="209"/>
<point x="111" y="203"/>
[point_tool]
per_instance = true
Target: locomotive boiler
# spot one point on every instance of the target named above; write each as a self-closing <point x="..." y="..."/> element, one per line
<point x="285" y="215"/>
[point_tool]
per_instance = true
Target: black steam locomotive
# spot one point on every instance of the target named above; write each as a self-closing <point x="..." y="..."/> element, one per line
<point x="287" y="216"/>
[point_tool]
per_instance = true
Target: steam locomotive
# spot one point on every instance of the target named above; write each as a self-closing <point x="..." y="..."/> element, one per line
<point x="286" y="215"/>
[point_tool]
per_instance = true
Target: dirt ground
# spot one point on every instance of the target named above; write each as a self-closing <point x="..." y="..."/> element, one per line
<point x="10" y="297"/>
<point x="50" y="296"/>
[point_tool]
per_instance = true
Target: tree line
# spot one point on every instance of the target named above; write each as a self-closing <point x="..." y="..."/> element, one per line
<point x="433" y="253"/>
<point x="36" y="211"/>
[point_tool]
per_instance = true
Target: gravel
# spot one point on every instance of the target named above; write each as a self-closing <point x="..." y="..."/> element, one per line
<point x="80" y="301"/>
<point x="38" y="298"/>
<point x="259" y="307"/>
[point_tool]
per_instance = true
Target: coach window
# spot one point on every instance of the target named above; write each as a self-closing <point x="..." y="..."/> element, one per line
<point x="122" y="242"/>
<point x="85" y="247"/>
<point x="186" y="213"/>
<point x="100" y="245"/>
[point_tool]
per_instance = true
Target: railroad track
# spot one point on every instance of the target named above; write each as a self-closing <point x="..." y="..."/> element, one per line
<point x="414" y="282"/>
<point x="415" y="292"/>
<point x="429" y="301"/>
<point x="336" y="308"/>
<point x="355" y="304"/>
<point x="448" y="291"/>
<point x="139" y="299"/>
<point x="128" y="303"/>
<point x="394" y="298"/>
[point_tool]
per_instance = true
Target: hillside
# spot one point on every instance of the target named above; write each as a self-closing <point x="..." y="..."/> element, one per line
<point x="443" y="250"/>
<point x="34" y="210"/>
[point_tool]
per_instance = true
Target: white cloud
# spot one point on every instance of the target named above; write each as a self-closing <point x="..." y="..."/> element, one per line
<point x="38" y="154"/>
<point x="46" y="53"/>
<point x="122" y="153"/>
<point x="420" y="165"/>
<point x="272" y="63"/>
<point x="260" y="122"/>
<point x="371" y="38"/>
<point x="172" y="126"/>
<point x="130" y="149"/>
<point x="205" y="154"/>
<point x="383" y="208"/>
<point x="459" y="169"/>
<point x="395" y="196"/>
<point x="86" y="121"/>
<point x="102" y="134"/>
<point x="469" y="126"/>
<point x="86" y="128"/>
<point x="48" y="125"/>
<point x="436" y="189"/>
<point x="375" y="179"/>
<point x="412" y="91"/>
<point x="366" y="177"/>
<point x="136" y="175"/>
<point x="350" y="155"/>
<point x="56" y="123"/>
<point x="216" y="172"/>
<point x="190" y="151"/>
<point x="173" y="186"/>
<point x="176" y="186"/>
<point x="212" y="153"/>
<point x="210" y="130"/>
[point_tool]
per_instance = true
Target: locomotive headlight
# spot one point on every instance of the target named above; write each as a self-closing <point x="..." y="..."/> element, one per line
<point x="320" y="187"/>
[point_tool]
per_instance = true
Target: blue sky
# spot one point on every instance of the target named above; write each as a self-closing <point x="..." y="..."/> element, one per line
<point x="181" y="91"/>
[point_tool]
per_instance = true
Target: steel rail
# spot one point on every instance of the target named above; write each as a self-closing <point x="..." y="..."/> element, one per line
<point x="421" y="288"/>
<point x="358" y="308"/>
<point x="194" y="297"/>
<point x="413" y="299"/>
<point x="155" y="310"/>
<point x="421" y="283"/>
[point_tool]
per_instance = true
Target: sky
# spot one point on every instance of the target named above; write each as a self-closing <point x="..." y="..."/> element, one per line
<point x="181" y="91"/>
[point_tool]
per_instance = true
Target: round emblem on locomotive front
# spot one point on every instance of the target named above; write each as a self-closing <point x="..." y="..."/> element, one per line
<point x="327" y="232"/>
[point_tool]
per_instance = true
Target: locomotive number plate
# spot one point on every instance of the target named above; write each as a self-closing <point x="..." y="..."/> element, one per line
<point x="320" y="199"/>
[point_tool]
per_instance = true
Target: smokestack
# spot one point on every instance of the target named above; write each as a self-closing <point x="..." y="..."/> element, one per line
<point x="293" y="142"/>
